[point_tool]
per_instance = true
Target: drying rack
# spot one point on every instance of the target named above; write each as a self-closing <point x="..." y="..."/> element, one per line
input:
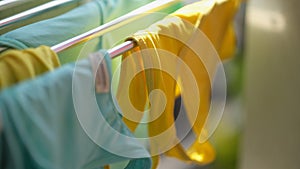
<point x="34" y="11"/>
<point x="154" y="6"/>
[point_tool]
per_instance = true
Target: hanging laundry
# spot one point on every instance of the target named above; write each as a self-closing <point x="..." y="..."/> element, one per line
<point x="43" y="125"/>
<point x="20" y="65"/>
<point x="113" y="37"/>
<point x="176" y="35"/>
<point x="55" y="30"/>
<point x="75" y="22"/>
<point x="116" y="36"/>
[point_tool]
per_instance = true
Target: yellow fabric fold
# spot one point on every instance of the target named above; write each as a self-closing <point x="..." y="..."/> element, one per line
<point x="20" y="65"/>
<point x="152" y="68"/>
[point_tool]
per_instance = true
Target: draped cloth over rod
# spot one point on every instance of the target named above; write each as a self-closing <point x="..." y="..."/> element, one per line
<point x="175" y="36"/>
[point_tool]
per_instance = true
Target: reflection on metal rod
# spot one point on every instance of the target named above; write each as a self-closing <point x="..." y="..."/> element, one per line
<point x="34" y="11"/>
<point x="3" y="3"/>
<point x="124" y="47"/>
<point x="121" y="21"/>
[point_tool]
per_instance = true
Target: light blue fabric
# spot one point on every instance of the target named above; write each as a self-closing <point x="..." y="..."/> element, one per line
<point x="75" y="22"/>
<point x="58" y="29"/>
<point x="42" y="130"/>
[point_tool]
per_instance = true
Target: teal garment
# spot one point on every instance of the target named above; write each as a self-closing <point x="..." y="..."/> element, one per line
<point x="75" y="22"/>
<point x="58" y="29"/>
<point x="41" y="129"/>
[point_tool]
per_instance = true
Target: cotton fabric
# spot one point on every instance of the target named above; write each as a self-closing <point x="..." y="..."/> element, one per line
<point x="52" y="31"/>
<point x="41" y="125"/>
<point x="175" y="35"/>
<point x="58" y="29"/>
<point x="20" y="65"/>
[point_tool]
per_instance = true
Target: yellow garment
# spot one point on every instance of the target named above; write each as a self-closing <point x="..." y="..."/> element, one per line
<point x="176" y="34"/>
<point x="20" y="65"/>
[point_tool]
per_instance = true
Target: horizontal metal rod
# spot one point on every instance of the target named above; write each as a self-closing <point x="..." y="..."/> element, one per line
<point x="114" y="24"/>
<point x="34" y="11"/>
<point x="3" y="3"/>
<point x="120" y="49"/>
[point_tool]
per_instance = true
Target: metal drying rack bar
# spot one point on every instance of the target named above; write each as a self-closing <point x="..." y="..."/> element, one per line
<point x="114" y="24"/>
<point x="34" y="11"/>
